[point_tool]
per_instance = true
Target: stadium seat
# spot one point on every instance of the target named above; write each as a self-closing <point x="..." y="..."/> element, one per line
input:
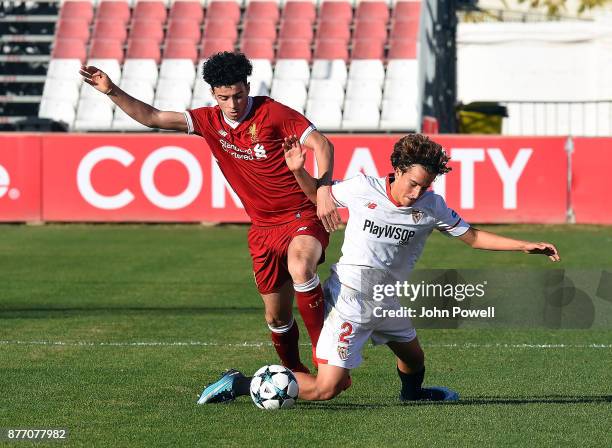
<point x="183" y="29"/>
<point x="101" y="120"/>
<point x="216" y="29"/>
<point x="154" y="10"/>
<point x="258" y="48"/>
<point x="296" y="29"/>
<point x="369" y="90"/>
<point x="118" y="11"/>
<point x="325" y="69"/>
<point x="69" y="49"/>
<point x="368" y="49"/>
<point x="404" y="30"/>
<point x="360" y="115"/>
<point x="400" y="88"/>
<point x="370" y="30"/>
<point x="182" y="70"/>
<point x="258" y="87"/>
<point x="72" y="29"/>
<point x="372" y="10"/>
<point x="106" y="49"/>
<point x="57" y="110"/>
<point x="109" y="29"/>
<point x="402" y="49"/>
<point x="66" y="69"/>
<point x="212" y="46"/>
<point x="330" y="49"/>
<point x="262" y="70"/>
<point x="259" y="29"/>
<point x="143" y="49"/>
<point x="334" y="31"/>
<point x="402" y="69"/>
<point x="110" y="66"/>
<point x="290" y="93"/>
<point x="340" y="12"/>
<point x="367" y="69"/>
<point x="328" y="90"/>
<point x="123" y="122"/>
<point x="292" y="69"/>
<point x="61" y="90"/>
<point x="147" y="29"/>
<point x="187" y="10"/>
<point x="171" y="104"/>
<point x="81" y="9"/>
<point x="399" y="115"/>
<point x="181" y="49"/>
<point x="227" y="11"/>
<point x="144" y="70"/>
<point x="294" y="49"/>
<point x="173" y="89"/>
<point x="325" y="115"/>
<point x="406" y="10"/>
<point x="202" y="91"/>
<point x="262" y="10"/>
<point x="139" y="90"/>
<point x="299" y="10"/>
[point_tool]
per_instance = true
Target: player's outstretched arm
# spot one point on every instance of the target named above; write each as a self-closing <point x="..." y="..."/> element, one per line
<point x="324" y="153"/>
<point x="480" y="239"/>
<point x="295" y="157"/>
<point x="139" y="111"/>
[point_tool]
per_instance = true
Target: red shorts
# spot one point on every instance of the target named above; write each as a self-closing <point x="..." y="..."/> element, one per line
<point x="269" y="245"/>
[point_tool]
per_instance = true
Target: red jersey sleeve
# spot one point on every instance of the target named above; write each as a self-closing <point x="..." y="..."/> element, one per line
<point x="292" y="122"/>
<point x="197" y="119"/>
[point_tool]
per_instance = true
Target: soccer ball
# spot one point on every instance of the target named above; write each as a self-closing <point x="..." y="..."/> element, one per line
<point x="274" y="387"/>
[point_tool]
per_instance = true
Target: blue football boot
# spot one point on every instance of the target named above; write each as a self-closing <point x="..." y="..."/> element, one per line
<point x="222" y="390"/>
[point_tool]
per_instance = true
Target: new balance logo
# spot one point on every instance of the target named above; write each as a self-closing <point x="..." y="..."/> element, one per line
<point x="302" y="228"/>
<point x="222" y="133"/>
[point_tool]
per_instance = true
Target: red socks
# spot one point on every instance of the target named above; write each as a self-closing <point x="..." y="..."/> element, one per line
<point x="285" y="341"/>
<point x="311" y="304"/>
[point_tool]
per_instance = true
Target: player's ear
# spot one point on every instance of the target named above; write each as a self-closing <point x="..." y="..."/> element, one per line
<point x="247" y="87"/>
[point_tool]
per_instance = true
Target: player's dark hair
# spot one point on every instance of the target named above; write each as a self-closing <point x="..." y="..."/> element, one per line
<point x="417" y="149"/>
<point x="226" y="69"/>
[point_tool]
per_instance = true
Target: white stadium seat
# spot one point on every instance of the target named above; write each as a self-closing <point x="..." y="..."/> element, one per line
<point x="139" y="90"/>
<point x="290" y="93"/>
<point x="292" y="69"/>
<point x="326" y="89"/>
<point x="258" y="87"/>
<point x="67" y="69"/>
<point x="325" y="115"/>
<point x="371" y="69"/>
<point x="109" y="66"/>
<point x="57" y="110"/>
<point x="173" y="89"/>
<point x="399" y="115"/>
<point x="262" y="69"/>
<point x="141" y="69"/>
<point x="360" y="115"/>
<point x="172" y="105"/>
<point x="402" y="69"/>
<point x="181" y="69"/>
<point x="400" y="88"/>
<point x="61" y="89"/>
<point x="94" y="114"/>
<point x="329" y="69"/>
<point x="366" y="89"/>
<point x="123" y="122"/>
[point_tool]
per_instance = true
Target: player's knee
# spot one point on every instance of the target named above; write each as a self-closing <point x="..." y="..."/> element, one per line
<point x="329" y="391"/>
<point x="301" y="272"/>
<point x="277" y="323"/>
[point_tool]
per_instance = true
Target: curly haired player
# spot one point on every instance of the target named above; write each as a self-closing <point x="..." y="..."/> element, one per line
<point x="289" y="233"/>
<point x="390" y="219"/>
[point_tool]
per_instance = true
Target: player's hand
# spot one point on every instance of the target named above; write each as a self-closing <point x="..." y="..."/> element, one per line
<point x="295" y="154"/>
<point x="96" y="78"/>
<point x="542" y="249"/>
<point x="326" y="209"/>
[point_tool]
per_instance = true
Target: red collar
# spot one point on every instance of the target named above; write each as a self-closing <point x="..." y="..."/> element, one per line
<point x="391" y="178"/>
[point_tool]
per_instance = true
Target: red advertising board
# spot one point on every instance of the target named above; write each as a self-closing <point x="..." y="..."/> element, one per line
<point x="493" y="179"/>
<point x="591" y="180"/>
<point x="20" y="168"/>
<point x="170" y="177"/>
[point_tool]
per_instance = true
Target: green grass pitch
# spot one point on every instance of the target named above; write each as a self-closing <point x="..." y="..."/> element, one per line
<point x="111" y="331"/>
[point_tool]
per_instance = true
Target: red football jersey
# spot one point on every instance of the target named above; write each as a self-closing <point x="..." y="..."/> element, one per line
<point x="250" y="154"/>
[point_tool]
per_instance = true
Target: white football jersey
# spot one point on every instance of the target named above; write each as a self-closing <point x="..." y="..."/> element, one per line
<point x="381" y="236"/>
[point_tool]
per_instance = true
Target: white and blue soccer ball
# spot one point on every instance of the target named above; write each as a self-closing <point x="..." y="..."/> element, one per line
<point x="274" y="387"/>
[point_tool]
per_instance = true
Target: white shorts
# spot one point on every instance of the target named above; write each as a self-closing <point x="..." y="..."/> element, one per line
<point x="350" y="322"/>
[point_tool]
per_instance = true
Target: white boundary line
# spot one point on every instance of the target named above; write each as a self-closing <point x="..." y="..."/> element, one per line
<point x="269" y="344"/>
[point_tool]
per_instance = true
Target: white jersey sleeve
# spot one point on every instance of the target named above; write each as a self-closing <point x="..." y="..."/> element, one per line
<point x="345" y="192"/>
<point x="448" y="220"/>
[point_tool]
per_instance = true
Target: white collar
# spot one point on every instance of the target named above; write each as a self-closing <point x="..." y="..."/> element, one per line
<point x="234" y="124"/>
